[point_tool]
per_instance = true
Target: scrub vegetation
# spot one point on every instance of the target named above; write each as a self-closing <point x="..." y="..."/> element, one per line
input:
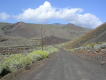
<point x="12" y="62"/>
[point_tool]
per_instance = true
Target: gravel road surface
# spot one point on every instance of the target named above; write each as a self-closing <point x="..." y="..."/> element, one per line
<point x="66" y="66"/>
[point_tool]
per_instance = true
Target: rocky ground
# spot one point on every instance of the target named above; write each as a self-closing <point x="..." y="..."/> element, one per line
<point x="97" y="57"/>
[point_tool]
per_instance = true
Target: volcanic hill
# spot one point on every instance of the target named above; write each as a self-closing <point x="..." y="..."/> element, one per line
<point x="55" y="31"/>
<point x="96" y="35"/>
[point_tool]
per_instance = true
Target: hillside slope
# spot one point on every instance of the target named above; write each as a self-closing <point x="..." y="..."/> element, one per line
<point x="96" y="35"/>
<point x="29" y="30"/>
<point x="54" y="33"/>
<point x="19" y="29"/>
<point x="1" y="25"/>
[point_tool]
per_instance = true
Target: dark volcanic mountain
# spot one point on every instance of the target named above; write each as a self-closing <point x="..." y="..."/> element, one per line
<point x="54" y="31"/>
<point x="20" y="29"/>
<point x="96" y="35"/>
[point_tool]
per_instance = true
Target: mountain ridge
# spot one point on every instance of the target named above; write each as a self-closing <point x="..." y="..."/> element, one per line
<point x="63" y="33"/>
<point x="34" y="29"/>
<point x="96" y="35"/>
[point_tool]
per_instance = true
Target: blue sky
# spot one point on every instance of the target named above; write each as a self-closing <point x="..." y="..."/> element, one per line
<point x="85" y="13"/>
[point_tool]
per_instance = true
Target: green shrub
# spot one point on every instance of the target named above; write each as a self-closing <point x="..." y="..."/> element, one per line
<point x="103" y="45"/>
<point x="51" y="50"/>
<point x="92" y="44"/>
<point x="43" y="54"/>
<point x="34" y="56"/>
<point x="100" y="42"/>
<point x="85" y="44"/>
<point x="16" y="61"/>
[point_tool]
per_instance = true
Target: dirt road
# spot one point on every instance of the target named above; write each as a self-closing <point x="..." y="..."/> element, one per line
<point x="66" y="66"/>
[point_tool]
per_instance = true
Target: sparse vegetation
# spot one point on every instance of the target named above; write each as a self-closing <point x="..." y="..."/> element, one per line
<point x="34" y="56"/>
<point x="15" y="61"/>
<point x="43" y="54"/>
<point x="51" y="49"/>
<point x="93" y="51"/>
<point x="92" y="44"/>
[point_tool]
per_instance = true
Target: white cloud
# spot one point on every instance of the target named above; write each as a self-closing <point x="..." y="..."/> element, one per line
<point x="45" y="12"/>
<point x="4" y="16"/>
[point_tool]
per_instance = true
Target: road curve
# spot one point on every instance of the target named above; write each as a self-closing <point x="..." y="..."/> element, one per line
<point x="66" y="66"/>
